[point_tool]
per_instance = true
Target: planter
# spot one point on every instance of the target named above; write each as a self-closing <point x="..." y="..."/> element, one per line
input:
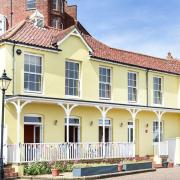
<point x="170" y="164"/>
<point x="55" y="172"/>
<point x="89" y="171"/>
<point x="137" y="166"/>
<point x="120" y="167"/>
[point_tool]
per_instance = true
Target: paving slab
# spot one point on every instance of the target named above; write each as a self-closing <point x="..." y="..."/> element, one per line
<point x="160" y="174"/>
<point x="69" y="176"/>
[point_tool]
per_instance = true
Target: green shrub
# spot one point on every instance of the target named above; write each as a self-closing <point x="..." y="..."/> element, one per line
<point x="37" y="168"/>
<point x="40" y="168"/>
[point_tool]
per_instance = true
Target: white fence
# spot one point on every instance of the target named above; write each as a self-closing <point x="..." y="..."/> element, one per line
<point x="163" y="148"/>
<point x="69" y="151"/>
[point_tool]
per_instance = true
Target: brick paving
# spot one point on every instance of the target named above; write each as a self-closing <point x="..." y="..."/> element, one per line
<point x="160" y="174"/>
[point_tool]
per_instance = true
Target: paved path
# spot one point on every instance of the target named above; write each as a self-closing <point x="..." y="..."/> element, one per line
<point x="160" y="174"/>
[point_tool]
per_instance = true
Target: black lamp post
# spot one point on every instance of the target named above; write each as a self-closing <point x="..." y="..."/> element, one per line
<point x="4" y="84"/>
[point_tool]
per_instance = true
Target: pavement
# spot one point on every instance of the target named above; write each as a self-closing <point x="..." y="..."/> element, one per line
<point x="160" y="174"/>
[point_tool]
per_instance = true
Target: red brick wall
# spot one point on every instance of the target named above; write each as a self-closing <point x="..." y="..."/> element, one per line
<point x="20" y="12"/>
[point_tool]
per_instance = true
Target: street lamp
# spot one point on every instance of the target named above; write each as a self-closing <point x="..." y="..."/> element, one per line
<point x="4" y="84"/>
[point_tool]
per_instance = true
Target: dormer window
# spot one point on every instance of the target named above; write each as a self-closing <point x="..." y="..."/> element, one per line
<point x="2" y="24"/>
<point x="38" y="19"/>
<point x="31" y="4"/>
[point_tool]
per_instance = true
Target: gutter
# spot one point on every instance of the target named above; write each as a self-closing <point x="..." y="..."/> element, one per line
<point x="29" y="45"/>
<point x="132" y="65"/>
<point x="147" y="87"/>
<point x="13" y="69"/>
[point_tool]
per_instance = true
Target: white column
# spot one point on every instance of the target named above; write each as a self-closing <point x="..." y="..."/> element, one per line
<point x="134" y="135"/>
<point x="104" y="132"/>
<point x="133" y="114"/>
<point x="19" y="108"/>
<point x="159" y="142"/>
<point x="67" y="126"/>
<point x="18" y="132"/>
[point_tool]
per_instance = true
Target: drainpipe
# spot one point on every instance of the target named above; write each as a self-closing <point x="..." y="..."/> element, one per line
<point x="13" y="68"/>
<point x="147" y="86"/>
<point x="11" y="14"/>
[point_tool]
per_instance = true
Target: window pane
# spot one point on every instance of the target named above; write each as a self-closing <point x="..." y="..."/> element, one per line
<point x="104" y="83"/>
<point x="157" y="88"/>
<point x="72" y="79"/>
<point x="132" y="86"/>
<point x="156" y="131"/>
<point x="32" y="73"/>
<point x="31" y="4"/>
<point x="29" y="119"/>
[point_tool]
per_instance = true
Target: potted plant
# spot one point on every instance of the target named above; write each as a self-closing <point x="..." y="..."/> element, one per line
<point x="120" y="166"/>
<point x="170" y="164"/>
<point x="55" y="169"/>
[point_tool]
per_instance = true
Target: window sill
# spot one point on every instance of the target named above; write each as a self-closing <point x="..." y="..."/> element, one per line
<point x="158" y="105"/>
<point x="72" y="97"/>
<point x="33" y="92"/>
<point x="30" y="9"/>
<point x="133" y="102"/>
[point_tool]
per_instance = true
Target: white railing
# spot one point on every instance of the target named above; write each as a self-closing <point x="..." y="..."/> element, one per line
<point x="69" y="151"/>
<point x="163" y="148"/>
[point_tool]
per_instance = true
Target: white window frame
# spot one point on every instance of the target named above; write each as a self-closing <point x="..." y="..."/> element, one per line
<point x="62" y="6"/>
<point x="2" y="24"/>
<point x="79" y="80"/>
<point x="57" y="22"/>
<point x="130" y="126"/>
<point x="107" y="126"/>
<point x="110" y="83"/>
<point x="162" y="127"/>
<point x="36" y="124"/>
<point x="161" y="91"/>
<point x="42" y="74"/>
<point x="27" y="3"/>
<point x="76" y="125"/>
<point x="57" y="4"/>
<point x="130" y="86"/>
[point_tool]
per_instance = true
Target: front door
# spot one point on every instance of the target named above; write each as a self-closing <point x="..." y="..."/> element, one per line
<point x="73" y="134"/>
<point x="107" y="134"/>
<point x="31" y="134"/>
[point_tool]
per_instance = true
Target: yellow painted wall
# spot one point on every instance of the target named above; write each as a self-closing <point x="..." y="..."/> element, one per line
<point x="74" y="49"/>
<point x="88" y="133"/>
<point x="54" y="86"/>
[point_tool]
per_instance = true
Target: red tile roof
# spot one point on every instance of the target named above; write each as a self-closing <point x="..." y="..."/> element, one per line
<point x="27" y="33"/>
<point x="107" y="53"/>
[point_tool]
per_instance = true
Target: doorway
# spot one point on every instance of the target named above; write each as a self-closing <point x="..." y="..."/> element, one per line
<point x="74" y="130"/>
<point x="130" y="132"/>
<point x="108" y="137"/>
<point x="32" y="129"/>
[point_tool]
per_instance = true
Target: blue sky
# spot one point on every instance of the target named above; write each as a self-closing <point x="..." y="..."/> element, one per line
<point x="147" y="26"/>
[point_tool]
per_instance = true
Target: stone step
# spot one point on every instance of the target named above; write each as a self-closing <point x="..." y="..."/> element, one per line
<point x="9" y="169"/>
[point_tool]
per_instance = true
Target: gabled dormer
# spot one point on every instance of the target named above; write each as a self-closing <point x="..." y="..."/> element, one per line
<point x="38" y="19"/>
<point x="3" y="24"/>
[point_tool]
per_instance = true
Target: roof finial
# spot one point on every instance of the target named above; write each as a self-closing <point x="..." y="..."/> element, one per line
<point x="169" y="56"/>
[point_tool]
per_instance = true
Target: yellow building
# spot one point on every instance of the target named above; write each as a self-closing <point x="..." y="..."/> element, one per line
<point x="73" y="97"/>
